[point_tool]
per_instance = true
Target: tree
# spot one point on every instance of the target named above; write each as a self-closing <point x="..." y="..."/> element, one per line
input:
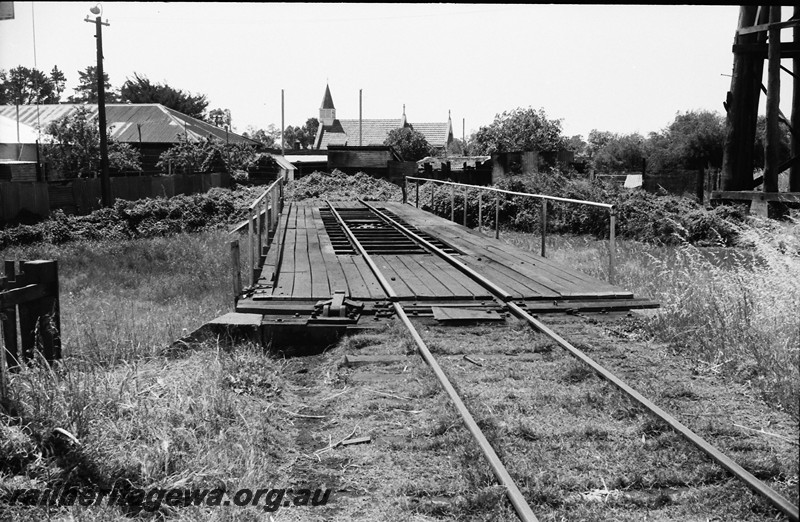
<point x="311" y="126"/>
<point x="693" y="140"/>
<point x="24" y="86"/>
<point x="59" y="81"/>
<point x="220" y="117"/>
<point x="74" y="148"/>
<point x="86" y="91"/>
<point x="411" y="144"/>
<point x="616" y="152"/>
<point x="520" y="130"/>
<point x="141" y="90"/>
<point x="268" y="137"/>
<point x="188" y="157"/>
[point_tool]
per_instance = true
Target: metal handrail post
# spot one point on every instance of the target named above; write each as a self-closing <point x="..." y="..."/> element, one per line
<point x="465" y="206"/>
<point x="497" y="216"/>
<point x="612" y="244"/>
<point x="544" y="227"/>
<point x="480" y="210"/>
<point x="452" y="202"/>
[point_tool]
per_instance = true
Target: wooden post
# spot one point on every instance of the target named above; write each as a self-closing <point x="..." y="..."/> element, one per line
<point x="433" y="191"/>
<point x="43" y="320"/>
<point x="742" y="106"/>
<point x="416" y="190"/>
<point x="405" y="189"/>
<point x="465" y="206"/>
<point x="268" y="211"/>
<point x="612" y="244"/>
<point x="543" y="220"/>
<point x="262" y="238"/>
<point x="497" y="215"/>
<point x="452" y="202"/>
<point x="10" y="321"/>
<point x="236" y="272"/>
<point x="251" y="241"/>
<point x="254" y="252"/>
<point x="794" y="173"/>
<point x="773" y="138"/>
<point x="480" y="210"/>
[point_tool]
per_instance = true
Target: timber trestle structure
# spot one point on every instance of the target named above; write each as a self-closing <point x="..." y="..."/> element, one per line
<point x="758" y="39"/>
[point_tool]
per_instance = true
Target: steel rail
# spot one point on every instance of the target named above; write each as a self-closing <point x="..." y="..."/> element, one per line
<point x="513" y="493"/>
<point x="786" y="507"/>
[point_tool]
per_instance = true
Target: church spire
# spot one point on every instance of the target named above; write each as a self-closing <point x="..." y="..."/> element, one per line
<point x="327" y="112"/>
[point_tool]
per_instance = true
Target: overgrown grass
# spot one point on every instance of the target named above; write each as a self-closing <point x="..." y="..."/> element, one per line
<point x="123" y="300"/>
<point x="736" y="310"/>
<point x="145" y="416"/>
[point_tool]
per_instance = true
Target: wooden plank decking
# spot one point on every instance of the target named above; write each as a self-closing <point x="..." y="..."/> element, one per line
<point x="312" y="270"/>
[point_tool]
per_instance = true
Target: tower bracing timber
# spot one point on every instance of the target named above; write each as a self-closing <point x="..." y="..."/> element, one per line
<point x="758" y="40"/>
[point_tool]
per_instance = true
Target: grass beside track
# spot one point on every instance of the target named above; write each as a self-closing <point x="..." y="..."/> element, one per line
<point x="214" y="418"/>
<point x="733" y="310"/>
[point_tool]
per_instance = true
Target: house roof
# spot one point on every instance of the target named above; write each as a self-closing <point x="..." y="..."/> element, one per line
<point x="374" y="132"/>
<point x="155" y="122"/>
<point x="8" y="131"/>
<point x="282" y="161"/>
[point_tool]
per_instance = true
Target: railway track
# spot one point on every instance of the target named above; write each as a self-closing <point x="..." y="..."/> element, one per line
<point x="505" y="299"/>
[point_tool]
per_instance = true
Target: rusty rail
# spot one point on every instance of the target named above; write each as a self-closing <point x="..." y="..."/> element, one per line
<point x="759" y="487"/>
<point x="512" y="491"/>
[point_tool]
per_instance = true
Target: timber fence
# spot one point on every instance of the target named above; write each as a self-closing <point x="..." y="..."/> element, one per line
<point x="82" y="195"/>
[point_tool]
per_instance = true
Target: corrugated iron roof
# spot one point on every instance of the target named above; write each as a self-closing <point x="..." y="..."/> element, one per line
<point x="8" y="131"/>
<point x="282" y="161"/>
<point x="375" y="132"/>
<point x="130" y="122"/>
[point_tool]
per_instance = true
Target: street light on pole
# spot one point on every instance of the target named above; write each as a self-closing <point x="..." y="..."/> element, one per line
<point x="105" y="183"/>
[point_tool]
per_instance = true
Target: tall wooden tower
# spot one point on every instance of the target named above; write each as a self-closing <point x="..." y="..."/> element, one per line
<point x="758" y="39"/>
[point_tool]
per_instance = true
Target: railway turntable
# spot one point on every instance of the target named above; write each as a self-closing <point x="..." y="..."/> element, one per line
<point x="315" y="283"/>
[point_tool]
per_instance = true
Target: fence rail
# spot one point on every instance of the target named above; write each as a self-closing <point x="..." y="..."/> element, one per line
<point x="261" y="222"/>
<point x="612" y="212"/>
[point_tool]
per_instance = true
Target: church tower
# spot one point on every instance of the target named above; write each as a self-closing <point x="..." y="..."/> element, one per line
<point x="327" y="113"/>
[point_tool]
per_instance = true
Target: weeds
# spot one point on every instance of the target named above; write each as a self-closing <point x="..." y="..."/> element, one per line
<point x="733" y="310"/>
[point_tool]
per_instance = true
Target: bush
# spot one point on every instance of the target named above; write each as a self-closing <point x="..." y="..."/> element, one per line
<point x="150" y="217"/>
<point x="340" y="186"/>
<point x="653" y="218"/>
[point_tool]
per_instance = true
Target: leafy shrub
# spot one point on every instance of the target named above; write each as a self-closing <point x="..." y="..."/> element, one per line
<point x="340" y="186"/>
<point x="653" y="218"/>
<point x="150" y="217"/>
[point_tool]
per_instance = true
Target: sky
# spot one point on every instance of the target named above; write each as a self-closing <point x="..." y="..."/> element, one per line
<point x="618" y="68"/>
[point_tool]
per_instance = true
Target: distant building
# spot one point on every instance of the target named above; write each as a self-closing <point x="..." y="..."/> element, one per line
<point x="149" y="127"/>
<point x="372" y="132"/>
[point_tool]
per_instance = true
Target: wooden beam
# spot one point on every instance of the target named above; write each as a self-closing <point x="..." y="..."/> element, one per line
<point x="786" y="50"/>
<point x="773" y="137"/>
<point x="754" y="195"/>
<point x="742" y="106"/>
<point x="764" y="27"/>
<point x="794" y="173"/>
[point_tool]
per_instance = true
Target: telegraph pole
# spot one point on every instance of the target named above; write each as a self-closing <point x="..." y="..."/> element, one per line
<point x="105" y="182"/>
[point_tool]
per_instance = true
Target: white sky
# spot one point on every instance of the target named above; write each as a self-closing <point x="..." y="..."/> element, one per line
<point x="619" y="68"/>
